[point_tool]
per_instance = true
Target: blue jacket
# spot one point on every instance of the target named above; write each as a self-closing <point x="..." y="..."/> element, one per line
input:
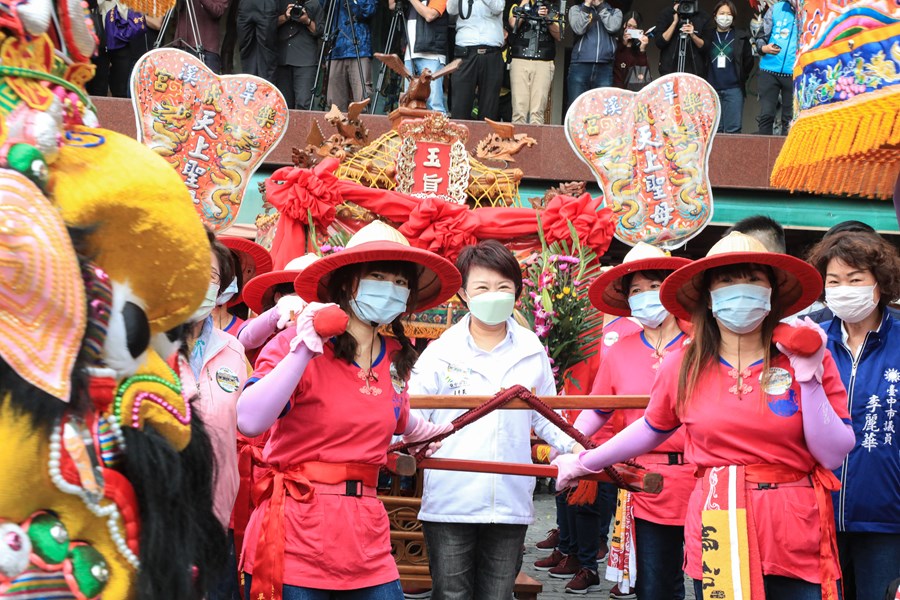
<point x="869" y="499"/>
<point x="781" y="21"/>
<point x="362" y="11"/>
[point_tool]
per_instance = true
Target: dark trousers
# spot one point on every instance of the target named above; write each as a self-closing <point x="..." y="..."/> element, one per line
<point x="473" y="561"/>
<point x="296" y="85"/>
<point x="582" y="527"/>
<point x="583" y="77"/>
<point x="778" y="588"/>
<point x="257" y="21"/>
<point x="227" y="585"/>
<point x="869" y="562"/>
<point x="771" y="88"/>
<point x="385" y="591"/>
<point x="114" y="67"/>
<point x="483" y="72"/>
<point x="660" y="554"/>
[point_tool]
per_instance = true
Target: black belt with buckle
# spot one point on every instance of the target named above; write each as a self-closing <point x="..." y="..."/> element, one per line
<point x="354" y="488"/>
<point x="466" y="51"/>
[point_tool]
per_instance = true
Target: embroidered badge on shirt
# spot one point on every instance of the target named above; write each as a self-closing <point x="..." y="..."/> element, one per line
<point x="610" y="338"/>
<point x="227" y="379"/>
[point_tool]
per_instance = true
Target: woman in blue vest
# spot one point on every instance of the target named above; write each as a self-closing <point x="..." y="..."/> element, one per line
<point x="778" y="47"/>
<point x="862" y="274"/>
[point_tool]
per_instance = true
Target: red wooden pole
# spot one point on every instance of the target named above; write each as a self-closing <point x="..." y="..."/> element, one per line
<point x="644" y="480"/>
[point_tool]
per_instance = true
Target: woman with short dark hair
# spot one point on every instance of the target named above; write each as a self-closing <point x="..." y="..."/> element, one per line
<point x="862" y="274"/>
<point x="475" y="523"/>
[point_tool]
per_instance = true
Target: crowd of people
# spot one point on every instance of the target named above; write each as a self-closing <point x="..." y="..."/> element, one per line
<point x="508" y="51"/>
<point x="771" y="418"/>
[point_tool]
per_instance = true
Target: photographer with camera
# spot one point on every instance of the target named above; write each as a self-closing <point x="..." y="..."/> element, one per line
<point x="778" y="48"/>
<point x="479" y="42"/>
<point x="351" y="56"/>
<point x="680" y="43"/>
<point x="594" y="23"/>
<point x="630" y="68"/>
<point x="532" y="48"/>
<point x="298" y="45"/>
<point x="427" y="23"/>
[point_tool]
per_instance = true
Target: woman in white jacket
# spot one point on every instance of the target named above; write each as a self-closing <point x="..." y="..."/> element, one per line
<point x="475" y="523"/>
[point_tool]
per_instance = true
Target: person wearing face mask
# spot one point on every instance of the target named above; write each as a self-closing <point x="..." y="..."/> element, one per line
<point x="764" y="423"/>
<point x="862" y="274"/>
<point x="331" y="406"/>
<point x="730" y="60"/>
<point x="632" y="290"/>
<point x="216" y="371"/>
<point x="475" y="524"/>
<point x="249" y="260"/>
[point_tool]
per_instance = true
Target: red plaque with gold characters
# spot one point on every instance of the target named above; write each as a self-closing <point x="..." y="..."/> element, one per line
<point x="433" y="161"/>
<point x="215" y="131"/>
<point x="649" y="151"/>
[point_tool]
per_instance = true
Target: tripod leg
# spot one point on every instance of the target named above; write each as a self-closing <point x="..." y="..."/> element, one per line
<point x="323" y="68"/>
<point x="388" y="47"/>
<point x="359" y="63"/>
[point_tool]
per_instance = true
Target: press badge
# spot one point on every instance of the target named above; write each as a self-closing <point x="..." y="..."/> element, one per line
<point x="721" y="61"/>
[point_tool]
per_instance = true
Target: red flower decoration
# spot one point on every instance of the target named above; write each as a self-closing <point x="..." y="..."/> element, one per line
<point x="298" y="192"/>
<point x="594" y="225"/>
<point x="441" y="227"/>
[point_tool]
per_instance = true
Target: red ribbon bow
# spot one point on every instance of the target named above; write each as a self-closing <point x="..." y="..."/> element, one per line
<point x="594" y="225"/>
<point x="441" y="227"/>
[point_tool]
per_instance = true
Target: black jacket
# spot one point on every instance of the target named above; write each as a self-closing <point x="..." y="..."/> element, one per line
<point x="695" y="60"/>
<point x="743" y="54"/>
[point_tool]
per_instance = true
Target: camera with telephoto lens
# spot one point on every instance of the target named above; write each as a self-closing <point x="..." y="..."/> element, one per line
<point x="296" y="10"/>
<point x="687" y="8"/>
<point x="530" y="12"/>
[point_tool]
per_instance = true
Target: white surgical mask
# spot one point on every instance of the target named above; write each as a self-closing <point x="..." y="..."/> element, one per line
<point x="741" y="307"/>
<point x="724" y="21"/>
<point x="851" y="303"/>
<point x="492" y="308"/>
<point x="379" y="302"/>
<point x="228" y="294"/>
<point x="208" y="304"/>
<point x="646" y="308"/>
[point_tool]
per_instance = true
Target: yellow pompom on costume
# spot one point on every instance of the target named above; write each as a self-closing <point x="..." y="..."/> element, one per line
<point x="105" y="472"/>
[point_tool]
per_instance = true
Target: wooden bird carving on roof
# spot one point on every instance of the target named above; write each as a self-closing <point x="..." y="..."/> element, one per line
<point x="416" y="95"/>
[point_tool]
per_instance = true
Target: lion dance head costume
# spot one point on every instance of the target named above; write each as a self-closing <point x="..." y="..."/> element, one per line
<point x="105" y="473"/>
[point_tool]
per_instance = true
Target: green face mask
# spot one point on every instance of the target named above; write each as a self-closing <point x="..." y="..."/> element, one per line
<point x="492" y="308"/>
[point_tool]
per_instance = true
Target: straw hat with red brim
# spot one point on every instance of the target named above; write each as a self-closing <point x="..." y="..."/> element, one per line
<point x="606" y="293"/>
<point x="260" y="257"/>
<point x="438" y="278"/>
<point x="260" y="291"/>
<point x="798" y="284"/>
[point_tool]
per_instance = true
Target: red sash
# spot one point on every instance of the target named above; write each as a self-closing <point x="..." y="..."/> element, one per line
<point x="296" y="482"/>
<point x="823" y="483"/>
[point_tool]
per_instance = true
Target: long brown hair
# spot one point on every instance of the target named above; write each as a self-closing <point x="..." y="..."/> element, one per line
<point x="703" y="351"/>
<point x="341" y="289"/>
